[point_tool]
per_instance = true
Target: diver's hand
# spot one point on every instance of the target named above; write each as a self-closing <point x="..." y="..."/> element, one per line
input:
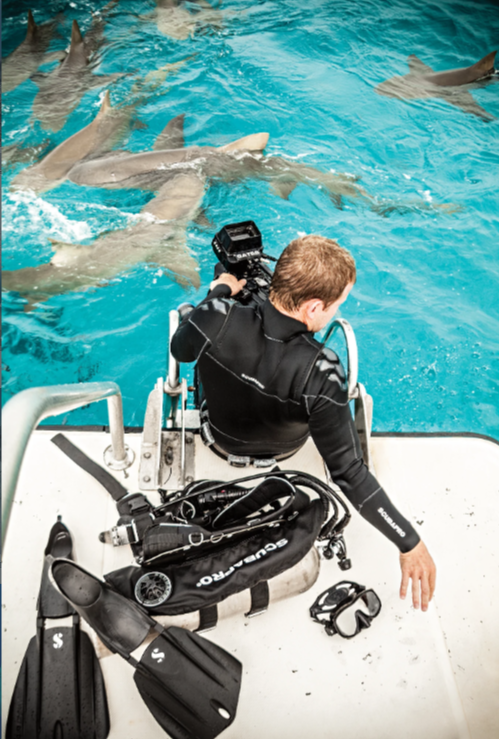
<point x="418" y="566"/>
<point x="227" y="279"/>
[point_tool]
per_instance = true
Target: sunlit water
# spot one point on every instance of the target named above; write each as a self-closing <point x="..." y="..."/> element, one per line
<point x="425" y="308"/>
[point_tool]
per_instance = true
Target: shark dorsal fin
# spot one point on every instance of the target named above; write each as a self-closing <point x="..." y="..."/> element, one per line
<point x="486" y="65"/>
<point x="172" y="136"/>
<point x="76" y="37"/>
<point x="253" y="142"/>
<point x="416" y="66"/>
<point x="105" y="106"/>
<point x="31" y="26"/>
<point x="77" y="55"/>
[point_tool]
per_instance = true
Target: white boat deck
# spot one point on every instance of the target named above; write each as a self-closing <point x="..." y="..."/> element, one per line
<point x="411" y="675"/>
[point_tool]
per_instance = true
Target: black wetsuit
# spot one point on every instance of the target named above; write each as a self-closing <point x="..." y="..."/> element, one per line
<point x="268" y="384"/>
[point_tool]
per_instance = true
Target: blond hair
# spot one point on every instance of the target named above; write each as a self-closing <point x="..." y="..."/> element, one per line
<point x="311" y="267"/>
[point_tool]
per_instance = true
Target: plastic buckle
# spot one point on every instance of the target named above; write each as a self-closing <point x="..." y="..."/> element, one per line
<point x="264" y="463"/>
<point x="139" y="505"/>
<point x="236" y="461"/>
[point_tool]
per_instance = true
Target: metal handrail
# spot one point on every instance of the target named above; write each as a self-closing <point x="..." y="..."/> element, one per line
<point x="352" y="353"/>
<point x="172" y="386"/>
<point x="22" y="413"/>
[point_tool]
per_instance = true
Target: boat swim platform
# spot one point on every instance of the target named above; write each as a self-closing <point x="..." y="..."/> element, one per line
<point x="411" y="675"/>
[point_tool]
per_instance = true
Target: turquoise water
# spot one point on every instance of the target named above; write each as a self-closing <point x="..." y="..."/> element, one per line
<point x="425" y="308"/>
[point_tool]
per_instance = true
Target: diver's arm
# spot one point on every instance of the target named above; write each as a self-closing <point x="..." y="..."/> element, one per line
<point x="333" y="431"/>
<point x="335" y="436"/>
<point x="198" y="325"/>
<point x="205" y="320"/>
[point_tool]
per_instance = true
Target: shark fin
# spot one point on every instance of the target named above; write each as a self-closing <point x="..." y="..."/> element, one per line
<point x="283" y="189"/>
<point x="77" y="55"/>
<point x="76" y="37"/>
<point x="172" y="136"/>
<point x="105" y="106"/>
<point x="253" y="142"/>
<point x="416" y="66"/>
<point x="31" y="26"/>
<point x="466" y="102"/>
<point x="202" y="220"/>
<point x="336" y="200"/>
<point x="486" y="65"/>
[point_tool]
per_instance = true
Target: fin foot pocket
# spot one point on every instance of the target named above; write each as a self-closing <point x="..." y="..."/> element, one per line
<point x="59" y="692"/>
<point x="120" y="624"/>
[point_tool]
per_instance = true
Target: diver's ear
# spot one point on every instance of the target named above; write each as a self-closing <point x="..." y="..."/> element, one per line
<point x="308" y="312"/>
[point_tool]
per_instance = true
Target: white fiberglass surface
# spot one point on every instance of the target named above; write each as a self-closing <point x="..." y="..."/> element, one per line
<point x="410" y="675"/>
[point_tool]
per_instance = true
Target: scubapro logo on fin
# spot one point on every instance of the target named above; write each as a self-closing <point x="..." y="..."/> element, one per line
<point x="221" y="575"/>
<point x="57" y="641"/>
<point x="158" y="656"/>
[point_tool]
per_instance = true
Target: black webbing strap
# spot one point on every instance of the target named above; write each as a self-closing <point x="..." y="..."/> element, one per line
<point x="259" y="599"/>
<point x="110" y="483"/>
<point x="208" y="618"/>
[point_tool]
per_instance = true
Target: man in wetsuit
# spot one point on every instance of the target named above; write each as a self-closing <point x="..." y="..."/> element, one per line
<point x="268" y="384"/>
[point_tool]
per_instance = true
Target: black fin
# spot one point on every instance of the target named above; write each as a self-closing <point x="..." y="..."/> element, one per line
<point x="51" y="604"/>
<point x="60" y="690"/>
<point x="45" y="701"/>
<point x="190" y="685"/>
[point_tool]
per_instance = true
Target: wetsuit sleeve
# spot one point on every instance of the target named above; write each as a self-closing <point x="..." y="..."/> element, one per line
<point x="333" y="431"/>
<point x="200" y="325"/>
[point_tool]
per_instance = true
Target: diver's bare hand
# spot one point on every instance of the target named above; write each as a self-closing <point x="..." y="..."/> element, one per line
<point x="227" y="279"/>
<point x="418" y="566"/>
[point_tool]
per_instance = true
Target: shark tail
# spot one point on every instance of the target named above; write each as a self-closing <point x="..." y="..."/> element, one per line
<point x="253" y="142"/>
<point x="486" y="65"/>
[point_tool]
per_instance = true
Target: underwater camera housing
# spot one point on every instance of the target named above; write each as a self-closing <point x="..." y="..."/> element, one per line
<point x="239" y="250"/>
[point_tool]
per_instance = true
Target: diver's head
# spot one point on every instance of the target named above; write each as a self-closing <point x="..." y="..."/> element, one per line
<point x="312" y="278"/>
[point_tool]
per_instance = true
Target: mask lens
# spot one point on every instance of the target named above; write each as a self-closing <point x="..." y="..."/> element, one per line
<point x="346" y="622"/>
<point x="372" y="603"/>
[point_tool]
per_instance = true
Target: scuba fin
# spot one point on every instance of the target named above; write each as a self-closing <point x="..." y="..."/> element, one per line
<point x="190" y="685"/>
<point x="60" y="690"/>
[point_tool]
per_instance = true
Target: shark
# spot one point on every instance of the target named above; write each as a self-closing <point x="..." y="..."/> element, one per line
<point x="229" y="163"/>
<point x="156" y="236"/>
<point x="18" y="66"/>
<point x="61" y="90"/>
<point x="13" y="154"/>
<point x="423" y="82"/>
<point x="235" y="162"/>
<point x="173" y="19"/>
<point x="108" y="129"/>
